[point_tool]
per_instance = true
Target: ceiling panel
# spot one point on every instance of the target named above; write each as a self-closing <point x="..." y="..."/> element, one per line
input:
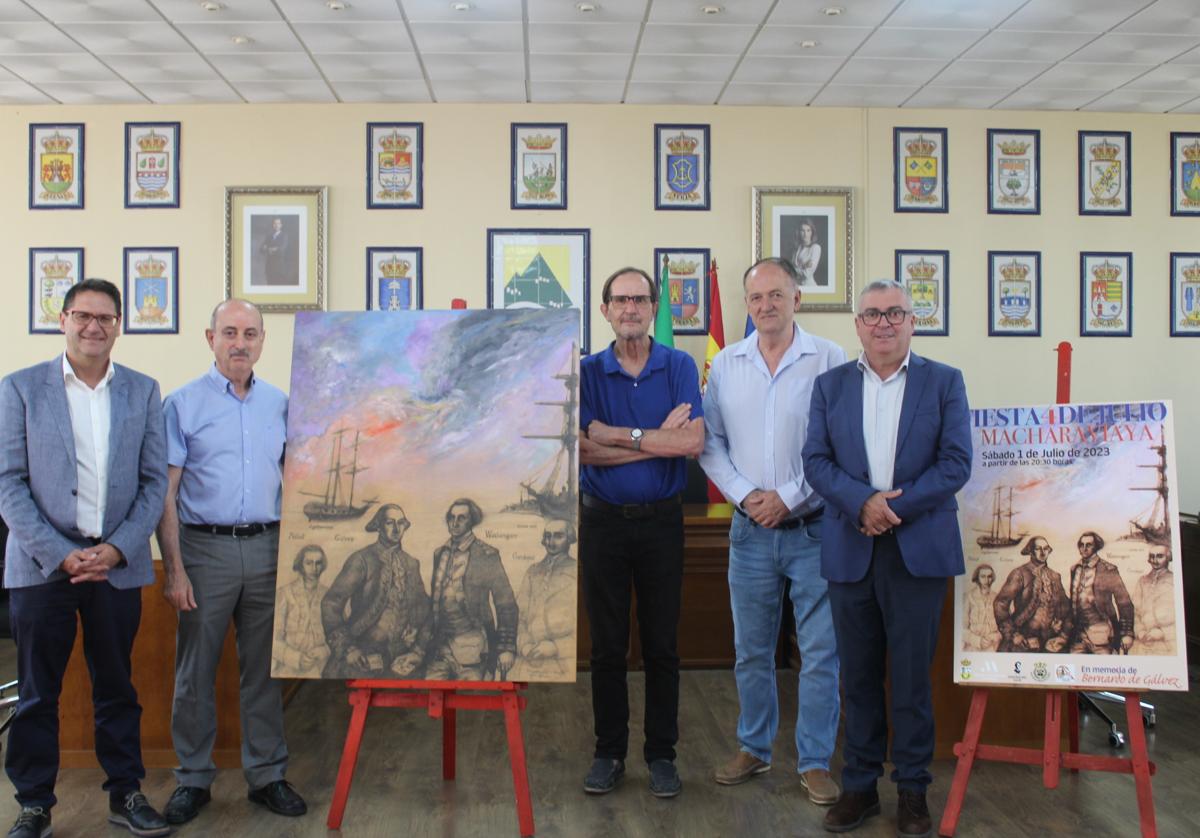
<point x="20" y="93"/>
<point x="16" y="38"/>
<point x="575" y="67"/>
<point x="1166" y="17"/>
<point x="691" y="11"/>
<point x="558" y="11"/>
<point x="480" y="11"/>
<point x="1088" y="76"/>
<point x="383" y="36"/>
<point x="382" y="91"/>
<point x="105" y="38"/>
<point x="468" y="37"/>
<point x="1005" y="75"/>
<point x="161" y="67"/>
<point x="802" y="70"/>
<point x="93" y="11"/>
<point x="864" y="95"/>
<point x="190" y="11"/>
<point x="591" y="92"/>
<point x="583" y="37"/>
<point x="285" y="91"/>
<point x="786" y="41"/>
<point x="370" y="66"/>
<point x="93" y="92"/>
<point x="1046" y="99"/>
<point x="315" y="11"/>
<point x="953" y="14"/>
<point x="1192" y="106"/>
<point x="480" y="90"/>
<point x="853" y="12"/>
<point x="218" y="37"/>
<point x="1002" y="45"/>
<point x="1073" y="15"/>
<point x="661" y="93"/>
<point x="696" y="40"/>
<point x="58" y="68"/>
<point x="1140" y="49"/>
<point x="781" y="95"/>
<point x="1145" y="101"/>
<point x="454" y="66"/>
<point x="1168" y="77"/>
<point x="895" y="71"/>
<point x="265" y="66"/>
<point x="189" y="92"/>
<point x="919" y="43"/>
<point x="683" y="68"/>
<point x="954" y="97"/>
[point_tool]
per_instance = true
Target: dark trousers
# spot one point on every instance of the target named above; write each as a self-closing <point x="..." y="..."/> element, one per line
<point x="889" y="613"/>
<point x="646" y="555"/>
<point x="43" y="625"/>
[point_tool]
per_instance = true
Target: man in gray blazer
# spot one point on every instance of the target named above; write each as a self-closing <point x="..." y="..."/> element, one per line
<point x="83" y="473"/>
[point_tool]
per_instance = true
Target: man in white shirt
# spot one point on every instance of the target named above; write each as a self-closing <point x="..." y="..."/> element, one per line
<point x="82" y="479"/>
<point x="755" y="418"/>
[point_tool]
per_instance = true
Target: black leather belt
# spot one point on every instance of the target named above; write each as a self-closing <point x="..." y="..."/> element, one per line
<point x="237" y="530"/>
<point x="789" y="523"/>
<point x="632" y="510"/>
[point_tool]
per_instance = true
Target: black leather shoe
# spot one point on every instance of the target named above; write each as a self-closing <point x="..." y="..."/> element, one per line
<point x="280" y="798"/>
<point x="664" y="779"/>
<point x="134" y="812"/>
<point x="603" y="776"/>
<point x="33" y="822"/>
<point x="185" y="804"/>
<point x="912" y="815"/>
<point x="849" y="812"/>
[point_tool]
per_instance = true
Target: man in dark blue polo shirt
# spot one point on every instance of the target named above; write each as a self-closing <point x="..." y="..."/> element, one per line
<point x="640" y="413"/>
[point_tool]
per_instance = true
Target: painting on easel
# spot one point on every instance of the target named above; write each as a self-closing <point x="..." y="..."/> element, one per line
<point x="430" y="497"/>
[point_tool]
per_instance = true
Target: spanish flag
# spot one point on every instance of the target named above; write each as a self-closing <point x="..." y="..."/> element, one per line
<point x="716" y="342"/>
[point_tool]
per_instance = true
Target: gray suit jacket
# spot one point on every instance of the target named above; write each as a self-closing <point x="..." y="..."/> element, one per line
<point x="38" y="482"/>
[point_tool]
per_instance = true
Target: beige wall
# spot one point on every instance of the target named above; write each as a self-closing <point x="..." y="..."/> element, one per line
<point x="610" y="190"/>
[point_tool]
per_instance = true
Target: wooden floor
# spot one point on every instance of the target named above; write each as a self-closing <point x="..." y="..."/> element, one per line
<point x="398" y="790"/>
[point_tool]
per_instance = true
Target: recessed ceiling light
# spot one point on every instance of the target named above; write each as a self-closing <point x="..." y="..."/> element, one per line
<point x="461" y="7"/>
<point x="211" y="6"/>
<point x="336" y="5"/>
<point x="711" y="9"/>
<point x="240" y="40"/>
<point x="832" y="11"/>
<point x="586" y="7"/>
<point x="808" y="44"/>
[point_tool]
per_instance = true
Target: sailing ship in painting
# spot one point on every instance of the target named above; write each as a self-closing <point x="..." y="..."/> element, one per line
<point x="331" y="507"/>
<point x="1152" y="526"/>
<point x="1001" y="533"/>
<point x="558" y="494"/>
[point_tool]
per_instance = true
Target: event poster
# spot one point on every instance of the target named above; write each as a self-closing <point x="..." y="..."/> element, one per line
<point x="430" y="497"/>
<point x="1070" y="527"/>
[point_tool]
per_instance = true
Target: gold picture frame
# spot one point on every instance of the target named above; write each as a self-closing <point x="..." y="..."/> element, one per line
<point x="275" y="246"/>
<point x="812" y="227"/>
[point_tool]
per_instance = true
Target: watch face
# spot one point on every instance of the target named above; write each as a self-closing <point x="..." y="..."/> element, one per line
<point x="636" y="433"/>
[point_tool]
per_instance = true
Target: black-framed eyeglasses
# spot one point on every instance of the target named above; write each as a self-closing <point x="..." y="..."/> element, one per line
<point x="639" y="300"/>
<point x="894" y="315"/>
<point x="82" y="318"/>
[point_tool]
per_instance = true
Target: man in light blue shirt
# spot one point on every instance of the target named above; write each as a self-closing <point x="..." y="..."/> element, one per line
<point x="756" y="416"/>
<point x="219" y="538"/>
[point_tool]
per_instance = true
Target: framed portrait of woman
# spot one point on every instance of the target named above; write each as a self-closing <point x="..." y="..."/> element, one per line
<point x="813" y="229"/>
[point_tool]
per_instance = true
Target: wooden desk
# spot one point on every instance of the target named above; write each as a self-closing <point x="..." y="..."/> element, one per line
<point x="154" y="678"/>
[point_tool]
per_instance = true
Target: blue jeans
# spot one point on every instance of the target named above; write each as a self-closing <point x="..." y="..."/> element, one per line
<point x="760" y="562"/>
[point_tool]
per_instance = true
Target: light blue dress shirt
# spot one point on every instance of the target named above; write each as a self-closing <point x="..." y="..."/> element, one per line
<point x="755" y="422"/>
<point x="882" y="401"/>
<point x="230" y="450"/>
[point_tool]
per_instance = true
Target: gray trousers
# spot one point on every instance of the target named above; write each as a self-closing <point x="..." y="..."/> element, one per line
<point x="231" y="577"/>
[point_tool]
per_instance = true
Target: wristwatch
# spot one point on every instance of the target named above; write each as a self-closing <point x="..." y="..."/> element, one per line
<point x="636" y="435"/>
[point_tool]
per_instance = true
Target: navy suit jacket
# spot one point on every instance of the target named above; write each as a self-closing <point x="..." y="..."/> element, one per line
<point x="933" y="461"/>
<point x="39" y="484"/>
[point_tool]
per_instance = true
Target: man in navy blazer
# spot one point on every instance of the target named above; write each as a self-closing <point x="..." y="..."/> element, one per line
<point x="888" y="447"/>
<point x="83" y="472"/>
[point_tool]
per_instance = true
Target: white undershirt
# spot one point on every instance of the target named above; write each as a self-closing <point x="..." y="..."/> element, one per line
<point x="882" y="401"/>
<point x="91" y="419"/>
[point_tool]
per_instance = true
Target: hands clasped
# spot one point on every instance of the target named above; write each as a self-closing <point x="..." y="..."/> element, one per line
<point x="876" y="517"/>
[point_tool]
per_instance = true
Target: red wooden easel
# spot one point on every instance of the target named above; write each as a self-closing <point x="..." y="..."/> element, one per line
<point x="1050" y="755"/>
<point x="442" y="699"/>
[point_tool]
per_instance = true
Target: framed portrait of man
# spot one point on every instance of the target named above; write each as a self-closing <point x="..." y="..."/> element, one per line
<point x="275" y="251"/>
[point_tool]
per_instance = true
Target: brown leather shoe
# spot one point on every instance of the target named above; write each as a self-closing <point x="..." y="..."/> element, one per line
<point x="822" y="789"/>
<point x="740" y="769"/>
<point x="912" y="815"/>
<point x="849" y="812"/>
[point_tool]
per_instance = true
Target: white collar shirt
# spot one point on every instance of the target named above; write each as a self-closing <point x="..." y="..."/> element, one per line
<point x="91" y="420"/>
<point x="882" y="400"/>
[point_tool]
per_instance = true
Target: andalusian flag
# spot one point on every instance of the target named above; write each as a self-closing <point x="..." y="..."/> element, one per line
<point x="664" y="328"/>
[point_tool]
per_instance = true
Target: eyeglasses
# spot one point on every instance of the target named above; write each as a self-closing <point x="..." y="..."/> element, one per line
<point x="894" y="315"/>
<point x="638" y="300"/>
<point x="82" y="318"/>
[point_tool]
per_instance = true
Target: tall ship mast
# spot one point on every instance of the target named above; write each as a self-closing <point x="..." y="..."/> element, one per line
<point x="331" y="507"/>
<point x="558" y="494"/>
<point x="1153" y="525"/>
<point x="1001" y="532"/>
